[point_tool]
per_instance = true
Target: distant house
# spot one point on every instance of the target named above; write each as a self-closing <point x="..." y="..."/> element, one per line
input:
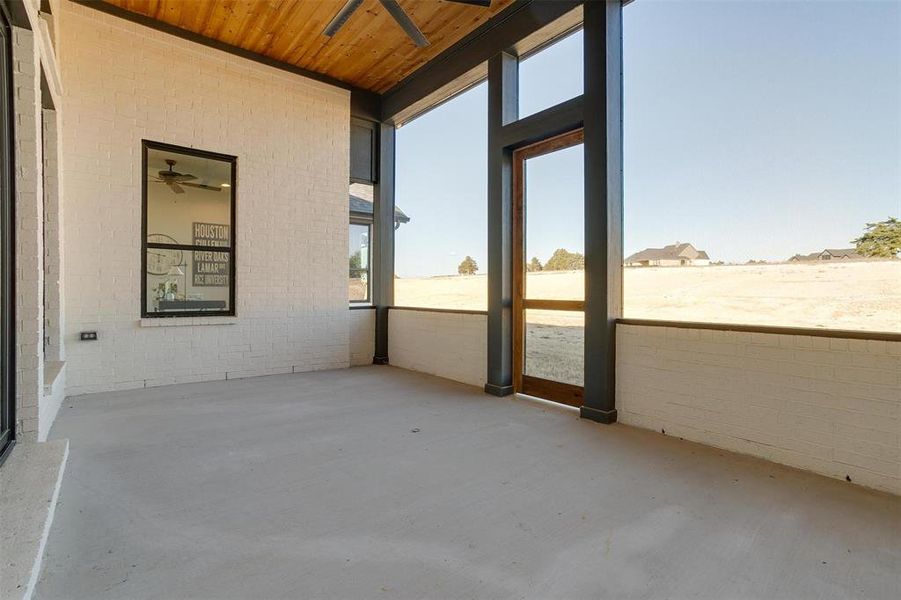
<point x="361" y="211"/>
<point x="674" y="255"/>
<point x="828" y="254"/>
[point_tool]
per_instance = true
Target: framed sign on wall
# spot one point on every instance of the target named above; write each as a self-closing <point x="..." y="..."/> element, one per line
<point x="210" y="268"/>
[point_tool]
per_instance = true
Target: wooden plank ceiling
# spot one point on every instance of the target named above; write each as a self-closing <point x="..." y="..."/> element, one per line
<point x="370" y="51"/>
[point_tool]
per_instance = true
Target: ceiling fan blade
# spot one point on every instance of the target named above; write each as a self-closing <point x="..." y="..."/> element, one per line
<point x="405" y="22"/>
<point x="483" y="3"/>
<point x="176" y="188"/>
<point x="202" y="186"/>
<point x="181" y="178"/>
<point x="341" y="18"/>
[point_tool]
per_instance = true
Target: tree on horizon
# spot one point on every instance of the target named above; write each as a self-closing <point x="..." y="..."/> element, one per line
<point x="534" y="265"/>
<point x="468" y="266"/>
<point x="881" y="239"/>
<point x="564" y="260"/>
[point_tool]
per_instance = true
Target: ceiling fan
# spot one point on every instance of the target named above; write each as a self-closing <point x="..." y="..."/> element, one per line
<point x="394" y="9"/>
<point x="175" y="180"/>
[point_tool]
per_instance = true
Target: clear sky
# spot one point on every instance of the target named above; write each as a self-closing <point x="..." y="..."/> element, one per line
<point x="755" y="130"/>
<point x="441" y="184"/>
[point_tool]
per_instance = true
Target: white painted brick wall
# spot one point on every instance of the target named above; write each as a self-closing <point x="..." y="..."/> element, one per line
<point x="122" y="83"/>
<point x="37" y="229"/>
<point x="53" y="242"/>
<point x="362" y="336"/>
<point x="29" y="235"/>
<point x="449" y="345"/>
<point x="832" y="406"/>
<point x="51" y="400"/>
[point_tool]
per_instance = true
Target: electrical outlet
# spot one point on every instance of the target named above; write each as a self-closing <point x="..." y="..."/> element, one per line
<point x="87" y="336"/>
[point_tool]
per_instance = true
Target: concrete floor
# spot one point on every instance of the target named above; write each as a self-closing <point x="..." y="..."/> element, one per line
<point x="381" y="483"/>
<point x="29" y="484"/>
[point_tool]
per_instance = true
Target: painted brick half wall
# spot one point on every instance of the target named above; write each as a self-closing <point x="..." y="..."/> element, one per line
<point x="449" y="345"/>
<point x="362" y="336"/>
<point x="122" y="83"/>
<point x="832" y="406"/>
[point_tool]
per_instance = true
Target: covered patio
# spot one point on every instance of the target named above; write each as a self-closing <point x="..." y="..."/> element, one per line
<point x="330" y="299"/>
<point x="379" y="482"/>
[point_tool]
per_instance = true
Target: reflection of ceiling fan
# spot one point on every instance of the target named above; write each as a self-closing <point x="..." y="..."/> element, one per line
<point x="396" y="12"/>
<point x="176" y="180"/>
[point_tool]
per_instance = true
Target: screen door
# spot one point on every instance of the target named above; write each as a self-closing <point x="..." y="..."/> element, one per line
<point x="549" y="269"/>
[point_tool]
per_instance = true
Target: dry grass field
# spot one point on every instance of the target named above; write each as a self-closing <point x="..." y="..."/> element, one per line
<point x="836" y="295"/>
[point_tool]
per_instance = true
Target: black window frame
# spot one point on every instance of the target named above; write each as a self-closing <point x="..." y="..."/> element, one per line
<point x="368" y="269"/>
<point x="8" y="432"/>
<point x="231" y="249"/>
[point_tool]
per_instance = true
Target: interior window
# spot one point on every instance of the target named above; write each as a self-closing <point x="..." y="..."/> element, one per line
<point x="189" y="203"/>
<point x="359" y="262"/>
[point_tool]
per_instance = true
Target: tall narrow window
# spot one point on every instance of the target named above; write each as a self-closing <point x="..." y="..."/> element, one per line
<point x="359" y="262"/>
<point x="189" y="237"/>
<point x="360" y="242"/>
<point x="441" y="244"/>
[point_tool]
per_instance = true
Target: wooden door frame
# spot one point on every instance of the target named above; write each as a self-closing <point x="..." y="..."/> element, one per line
<point x="564" y="393"/>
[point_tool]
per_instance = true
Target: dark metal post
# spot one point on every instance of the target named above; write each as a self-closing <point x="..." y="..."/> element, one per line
<point x="603" y="205"/>
<point x="383" y="241"/>
<point x="503" y="108"/>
